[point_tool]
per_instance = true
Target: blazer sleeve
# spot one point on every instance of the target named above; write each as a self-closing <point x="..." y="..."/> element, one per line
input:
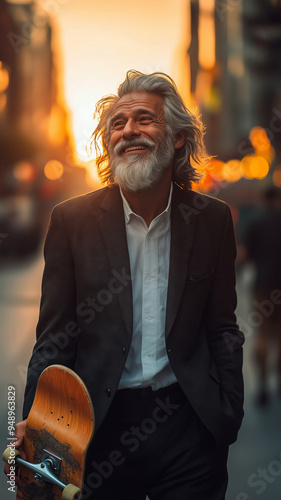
<point x="57" y="329"/>
<point x="224" y="337"/>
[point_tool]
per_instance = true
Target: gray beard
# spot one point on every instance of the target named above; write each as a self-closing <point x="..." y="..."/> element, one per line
<point x="134" y="173"/>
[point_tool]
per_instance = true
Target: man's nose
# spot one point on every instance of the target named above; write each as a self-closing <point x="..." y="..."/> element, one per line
<point x="130" y="130"/>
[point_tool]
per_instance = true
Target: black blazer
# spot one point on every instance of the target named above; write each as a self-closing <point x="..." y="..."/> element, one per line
<point x="86" y="312"/>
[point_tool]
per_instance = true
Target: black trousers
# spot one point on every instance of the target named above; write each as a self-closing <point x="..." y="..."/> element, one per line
<point x="152" y="443"/>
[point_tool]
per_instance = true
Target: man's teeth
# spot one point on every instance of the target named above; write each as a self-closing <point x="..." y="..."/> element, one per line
<point x="134" y="148"/>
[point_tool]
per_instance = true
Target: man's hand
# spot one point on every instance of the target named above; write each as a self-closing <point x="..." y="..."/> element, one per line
<point x="17" y="443"/>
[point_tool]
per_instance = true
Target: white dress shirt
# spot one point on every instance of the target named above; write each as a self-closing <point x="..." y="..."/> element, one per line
<point x="147" y="363"/>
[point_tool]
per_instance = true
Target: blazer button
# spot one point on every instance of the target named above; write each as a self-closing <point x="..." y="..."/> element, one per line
<point x="124" y="349"/>
<point x="169" y="350"/>
<point x="108" y="392"/>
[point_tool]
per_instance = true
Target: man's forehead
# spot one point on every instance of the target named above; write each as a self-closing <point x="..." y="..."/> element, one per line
<point x="139" y="100"/>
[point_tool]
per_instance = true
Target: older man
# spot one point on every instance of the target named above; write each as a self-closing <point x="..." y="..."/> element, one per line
<point x="143" y="271"/>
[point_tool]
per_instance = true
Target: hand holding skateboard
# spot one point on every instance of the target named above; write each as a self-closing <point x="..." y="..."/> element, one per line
<point x="57" y="434"/>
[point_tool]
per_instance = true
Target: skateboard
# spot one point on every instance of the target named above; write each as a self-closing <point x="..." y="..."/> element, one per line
<point x="59" y="429"/>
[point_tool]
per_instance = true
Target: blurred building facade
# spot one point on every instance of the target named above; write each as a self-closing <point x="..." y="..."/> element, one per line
<point x="262" y="54"/>
<point x="31" y="114"/>
<point x="36" y="167"/>
<point x="235" y="65"/>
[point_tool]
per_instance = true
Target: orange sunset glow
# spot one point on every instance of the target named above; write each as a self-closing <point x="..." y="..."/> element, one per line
<point x="100" y="41"/>
<point x="77" y="51"/>
<point x="166" y="220"/>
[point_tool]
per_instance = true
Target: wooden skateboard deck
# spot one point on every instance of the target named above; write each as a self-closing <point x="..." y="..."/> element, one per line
<point x="61" y="423"/>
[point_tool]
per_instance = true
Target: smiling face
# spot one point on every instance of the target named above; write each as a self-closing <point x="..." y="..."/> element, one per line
<point x="140" y="149"/>
<point x="138" y="115"/>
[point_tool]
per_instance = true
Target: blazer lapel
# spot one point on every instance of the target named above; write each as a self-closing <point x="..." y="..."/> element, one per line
<point x="183" y="224"/>
<point x="112" y="225"/>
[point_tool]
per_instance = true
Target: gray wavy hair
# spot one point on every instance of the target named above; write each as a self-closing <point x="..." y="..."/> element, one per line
<point x="187" y="160"/>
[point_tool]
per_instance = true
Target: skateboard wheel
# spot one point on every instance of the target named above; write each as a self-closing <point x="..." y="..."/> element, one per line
<point x="71" y="492"/>
<point x="7" y="456"/>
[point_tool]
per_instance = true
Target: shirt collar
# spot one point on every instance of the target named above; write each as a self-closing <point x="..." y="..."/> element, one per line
<point x="128" y="212"/>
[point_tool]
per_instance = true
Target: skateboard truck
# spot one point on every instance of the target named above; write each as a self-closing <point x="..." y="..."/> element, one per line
<point x="61" y="421"/>
<point x="47" y="470"/>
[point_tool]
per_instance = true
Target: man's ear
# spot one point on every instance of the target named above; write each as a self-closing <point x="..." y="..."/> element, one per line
<point x="179" y="140"/>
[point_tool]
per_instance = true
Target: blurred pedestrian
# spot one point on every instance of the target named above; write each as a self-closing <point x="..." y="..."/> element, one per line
<point x="262" y="242"/>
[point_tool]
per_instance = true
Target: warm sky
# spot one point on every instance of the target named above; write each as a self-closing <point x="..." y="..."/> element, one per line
<point x="102" y="39"/>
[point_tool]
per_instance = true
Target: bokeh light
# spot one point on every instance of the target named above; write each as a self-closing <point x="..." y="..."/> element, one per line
<point x="53" y="170"/>
<point x="232" y="171"/>
<point x="25" y="172"/>
<point x="254" y="167"/>
<point x="276" y="177"/>
<point x="4" y="78"/>
<point x="216" y="168"/>
<point x="259" y="167"/>
<point x="259" y="139"/>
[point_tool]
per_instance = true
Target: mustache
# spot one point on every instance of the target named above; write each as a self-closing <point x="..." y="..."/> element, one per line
<point x="121" y="146"/>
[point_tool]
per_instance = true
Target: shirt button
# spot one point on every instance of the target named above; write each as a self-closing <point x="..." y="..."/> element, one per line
<point x="108" y="392"/>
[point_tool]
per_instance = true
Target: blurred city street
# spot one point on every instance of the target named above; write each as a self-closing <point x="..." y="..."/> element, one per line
<point x="58" y="59"/>
<point x="255" y="460"/>
<point x="19" y="302"/>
